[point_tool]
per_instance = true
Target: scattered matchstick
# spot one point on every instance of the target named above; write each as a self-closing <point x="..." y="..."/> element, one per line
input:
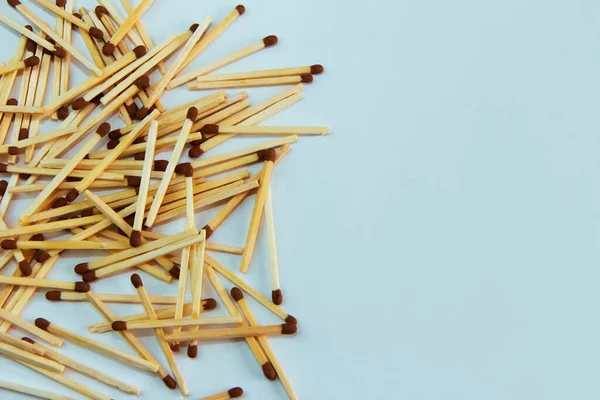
<point x="265" y="73"/>
<point x="232" y="393"/>
<point x="31" y="391"/>
<point x="258" y="82"/>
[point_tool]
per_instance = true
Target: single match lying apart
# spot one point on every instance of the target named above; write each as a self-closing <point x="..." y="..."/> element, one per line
<point x="100" y="189"/>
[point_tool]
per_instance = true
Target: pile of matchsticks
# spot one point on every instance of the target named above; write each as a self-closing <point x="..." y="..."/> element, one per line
<point x="144" y="192"/>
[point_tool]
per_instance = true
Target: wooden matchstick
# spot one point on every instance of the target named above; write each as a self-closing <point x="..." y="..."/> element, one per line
<point x="276" y="295"/>
<point x="16" y="353"/>
<point x="16" y="342"/>
<point x="18" y="65"/>
<point x="81" y="287"/>
<point x="22" y="109"/>
<point x="183" y="278"/>
<point x="55" y="295"/>
<point x="57" y="38"/>
<point x="57" y="51"/>
<point x="238" y="296"/>
<point x="45" y="137"/>
<point x="136" y="233"/>
<point x="233" y="333"/>
<point x="138" y="284"/>
<point x="58" y="63"/>
<point x="197" y="267"/>
<point x="170" y="323"/>
<point x="106" y="24"/>
<point x="32" y="391"/>
<point x="126" y="26"/>
<point x="265" y="73"/>
<point x="38" y="100"/>
<point x="220" y="63"/>
<point x="30" y="328"/>
<point x="211" y="129"/>
<point x="164" y="81"/>
<point x="83" y="369"/>
<point x="258" y="82"/>
<point x="52" y="172"/>
<point x="232" y="393"/>
<point x="90" y="42"/>
<point x="127" y="358"/>
<point x="132" y="340"/>
<point x="192" y="113"/>
<point x="9" y="244"/>
<point x="65" y="63"/>
<point x="91" y="30"/>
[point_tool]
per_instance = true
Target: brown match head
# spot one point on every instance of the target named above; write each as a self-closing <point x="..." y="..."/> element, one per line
<point x="60" y="202"/>
<point x="270" y="155"/>
<point x="29" y="27"/>
<point x="185" y="169"/>
<point x="316" y="69"/>
<point x="81" y="268"/>
<point x="72" y="195"/>
<point x="96" y="33"/>
<point x="198" y="142"/>
<point x="160" y="165"/>
<point x="112" y="144"/>
<point x="135" y="240"/>
<point x="174" y="347"/>
<point x="142" y="82"/>
<point x="136" y="281"/>
<point x="306" y="78"/>
<point x="59" y="51"/>
<point x="270" y="40"/>
<point x="140" y="51"/>
<point x="23" y="133"/>
<point x="31" y="61"/>
<point x="82" y="287"/>
<point x="62" y="113"/>
<point x="8" y="244"/>
<point x="132" y="109"/>
<point x="89" y="276"/>
<point x="42" y="256"/>
<point x="108" y="49"/>
<point x="139" y="156"/>
<point x="103" y="129"/>
<point x="3" y="167"/>
<point x="209" y="230"/>
<point x="28" y="340"/>
<point x="175" y="271"/>
<point x="100" y="11"/>
<point x="77" y="15"/>
<point x="269" y="371"/>
<point x="289" y="329"/>
<point x="142" y="113"/>
<point x="3" y="186"/>
<point x="119" y="326"/>
<point x="193" y="27"/>
<point x="277" y="297"/>
<point x="195" y="152"/>
<point x="115" y="134"/>
<point x="13" y="3"/>
<point x="235" y="392"/>
<point x="192" y="113"/>
<point x="290" y="319"/>
<point x="12" y="102"/>
<point x="78" y="104"/>
<point x="61" y="3"/>
<point x="87" y="212"/>
<point x="38" y="237"/>
<point x="31" y="46"/>
<point x="96" y="100"/>
<point x="133" y="181"/>
<point x="240" y="9"/>
<point x="209" y="304"/>
<point x="14" y="151"/>
<point x="192" y="351"/>
<point x="210" y="129"/>
<point x="42" y="323"/>
<point x="53" y="295"/>
<point x="236" y="293"/>
<point x="170" y="382"/>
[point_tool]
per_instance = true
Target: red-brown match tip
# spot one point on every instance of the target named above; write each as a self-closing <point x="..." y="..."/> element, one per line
<point x="59" y="51"/>
<point x="240" y="9"/>
<point x="72" y="195"/>
<point x="12" y="102"/>
<point x="119" y="326"/>
<point x="133" y="181"/>
<point x="25" y="268"/>
<point x="184" y="169"/>
<point x="209" y="304"/>
<point x="289" y="329"/>
<point x="112" y="144"/>
<point x="195" y="152"/>
<point x="316" y="69"/>
<point x="61" y="3"/>
<point x="77" y="15"/>
<point x="142" y="113"/>
<point x="3" y="167"/>
<point x="89" y="276"/>
<point x="140" y="51"/>
<point x="14" y="151"/>
<point x="96" y="33"/>
<point x="136" y="281"/>
<point x="192" y="351"/>
<point x="236" y="293"/>
<point x="82" y="287"/>
<point x="3" y="186"/>
<point x="31" y="46"/>
<point x="235" y="392"/>
<point x="31" y="61"/>
<point x="29" y="27"/>
<point x="170" y="382"/>
<point x="99" y="10"/>
<point x="103" y="129"/>
<point x="209" y="230"/>
<point x="28" y="340"/>
<point x="60" y="202"/>
<point x="81" y="268"/>
<point x="108" y="49"/>
<point x="277" y="297"/>
<point x="23" y="133"/>
<point x="53" y="295"/>
<point x="115" y="134"/>
<point x="135" y="240"/>
<point x="270" y="40"/>
<point x="88" y="212"/>
<point x="270" y="155"/>
<point x="193" y="27"/>
<point x="175" y="271"/>
<point x="8" y="244"/>
<point x="306" y="78"/>
<point x="210" y="129"/>
<point x="290" y="319"/>
<point x="38" y="237"/>
<point x="269" y="371"/>
<point x="192" y="113"/>
<point x="42" y="256"/>
<point x="174" y="347"/>
<point x="42" y="323"/>
<point x="78" y="104"/>
<point x="62" y="113"/>
<point x="13" y="3"/>
<point x="142" y="82"/>
<point x="132" y="109"/>
<point x="160" y="165"/>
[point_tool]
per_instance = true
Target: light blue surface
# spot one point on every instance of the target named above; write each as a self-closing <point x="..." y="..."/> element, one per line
<point x="442" y="243"/>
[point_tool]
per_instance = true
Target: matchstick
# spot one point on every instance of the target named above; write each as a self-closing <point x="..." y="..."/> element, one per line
<point x="16" y="353"/>
<point x="196" y="288"/>
<point x="224" y="248"/>
<point x="81" y="287"/>
<point x="234" y="333"/>
<point x="55" y="295"/>
<point x="220" y="63"/>
<point x="18" y="65"/>
<point x="93" y="345"/>
<point x="65" y="63"/>
<point x="211" y="129"/>
<point x="126" y="26"/>
<point x="103" y="21"/>
<point x="30" y="328"/>
<point x="91" y="30"/>
<point x="138" y="284"/>
<point x="22" y="109"/>
<point x="265" y="73"/>
<point x="232" y="393"/>
<point x="83" y="369"/>
<point x="56" y="50"/>
<point x="38" y="100"/>
<point x="136" y="235"/>
<point x="10" y="244"/>
<point x="132" y="340"/>
<point x="52" y="172"/>
<point x="16" y="342"/>
<point x="276" y="295"/>
<point x="164" y="81"/>
<point x="192" y="113"/>
<point x="57" y="38"/>
<point x="45" y="137"/>
<point x="238" y="296"/>
<point x="90" y="42"/>
<point x="242" y="83"/>
<point x="31" y="391"/>
<point x="177" y="323"/>
<point x="60" y="26"/>
<point x="183" y="278"/>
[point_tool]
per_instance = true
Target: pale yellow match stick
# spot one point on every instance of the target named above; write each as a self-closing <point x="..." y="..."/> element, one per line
<point x="65" y="63"/>
<point x="9" y="339"/>
<point x="91" y="164"/>
<point x="29" y="34"/>
<point x="57" y="38"/>
<point x="131" y="339"/>
<point x="30" y="328"/>
<point x="142" y="32"/>
<point x="164" y="184"/>
<point x="71" y="384"/>
<point x="177" y="323"/>
<point x="224" y="248"/>
<point x="16" y="353"/>
<point x="65" y="185"/>
<point x="127" y="358"/>
<point x="276" y="295"/>
<point x="38" y="101"/>
<point x="90" y="42"/>
<point x="6" y="86"/>
<point x="250" y="290"/>
<point x="234" y="333"/>
<point x="265" y="130"/>
<point x="212" y="35"/>
<point x="220" y="63"/>
<point x="44" y="137"/>
<point x="182" y="284"/>
<point x="160" y="334"/>
<point x="70" y="245"/>
<point x="81" y="287"/>
<point x="24" y="265"/>
<point x="237" y="294"/>
<point x="16" y="169"/>
<point x="244" y="83"/>
<point x="42" y="394"/>
<point x="51" y="226"/>
<point x="19" y="65"/>
<point x="84" y="369"/>
<point x="22" y="109"/>
<point x="126" y="26"/>
<point x="265" y="73"/>
<point x="196" y="287"/>
<point x="63" y="13"/>
<point x="160" y="87"/>
<point x="111" y="298"/>
<point x="136" y="238"/>
<point x="59" y="24"/>
<point x="228" y="165"/>
<point x="230" y="394"/>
